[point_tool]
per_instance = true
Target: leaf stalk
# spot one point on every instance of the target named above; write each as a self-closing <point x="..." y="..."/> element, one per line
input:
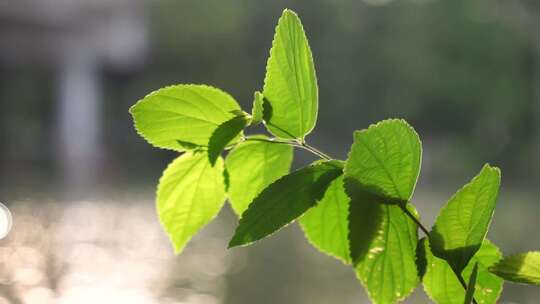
<point x="415" y="220"/>
<point x="301" y="145"/>
<point x="426" y="232"/>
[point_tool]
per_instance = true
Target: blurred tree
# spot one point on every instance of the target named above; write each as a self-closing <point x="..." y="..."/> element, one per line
<point x="463" y="71"/>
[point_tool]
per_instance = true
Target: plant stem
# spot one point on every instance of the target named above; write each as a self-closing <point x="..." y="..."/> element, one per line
<point x="418" y="223"/>
<point x="302" y="145"/>
<point x="426" y="232"/>
<point x="275" y="141"/>
<point x="464" y="284"/>
<point x="315" y="151"/>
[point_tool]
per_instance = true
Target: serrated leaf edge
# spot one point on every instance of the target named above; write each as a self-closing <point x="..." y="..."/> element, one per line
<point x="406" y="294"/>
<point x="243" y="143"/>
<point x="267" y="77"/>
<point x="287" y="224"/>
<point x="143" y="100"/>
<point x="426" y="238"/>
<point x="213" y="136"/>
<point x="331" y="254"/>
<point x="446" y="205"/>
<point x="161" y="223"/>
<point x="508" y="257"/>
<point x="384" y="122"/>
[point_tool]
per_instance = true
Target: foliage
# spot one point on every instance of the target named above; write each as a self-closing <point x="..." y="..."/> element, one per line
<point x="359" y="210"/>
<point x="463" y="222"/>
<point x="190" y="194"/>
<point x="290" y="85"/>
<point x="284" y="201"/>
<point x="442" y="285"/>
<point x="326" y="225"/>
<point x="521" y="268"/>
<point x="252" y="166"/>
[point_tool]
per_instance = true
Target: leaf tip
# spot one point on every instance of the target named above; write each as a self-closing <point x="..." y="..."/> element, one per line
<point x="289" y="12"/>
<point x="493" y="169"/>
<point x="178" y="248"/>
<point x="234" y="242"/>
<point x="131" y="109"/>
<point x="212" y="159"/>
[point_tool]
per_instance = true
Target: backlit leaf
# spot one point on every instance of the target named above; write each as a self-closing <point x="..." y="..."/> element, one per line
<point x="463" y="222"/>
<point x="185" y="113"/>
<point x="383" y="244"/>
<point x="519" y="268"/>
<point x="224" y="134"/>
<point x="442" y="285"/>
<point x="252" y="166"/>
<point x="290" y="85"/>
<point x="257" y="112"/>
<point x="385" y="160"/>
<point x="190" y="194"/>
<point x="326" y="225"/>
<point x="285" y="200"/>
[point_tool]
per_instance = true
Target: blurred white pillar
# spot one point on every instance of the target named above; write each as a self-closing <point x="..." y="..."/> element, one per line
<point x="536" y="102"/>
<point x="79" y="118"/>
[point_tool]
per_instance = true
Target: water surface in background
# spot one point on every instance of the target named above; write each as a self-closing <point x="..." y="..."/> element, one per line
<point x="114" y="251"/>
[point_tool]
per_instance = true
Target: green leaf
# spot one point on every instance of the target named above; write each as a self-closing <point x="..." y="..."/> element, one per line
<point x="383" y="243"/>
<point x="182" y="113"/>
<point x="290" y="85"/>
<point x="224" y="135"/>
<point x="463" y="222"/>
<point x="190" y="194"/>
<point x="326" y="225"/>
<point x="442" y="285"/>
<point x="190" y="146"/>
<point x="257" y="114"/>
<point x="519" y="268"/>
<point x="471" y="287"/>
<point x="284" y="201"/>
<point x="252" y="166"/>
<point x="385" y="160"/>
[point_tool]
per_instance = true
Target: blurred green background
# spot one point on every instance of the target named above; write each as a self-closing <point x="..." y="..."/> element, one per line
<point x="80" y="182"/>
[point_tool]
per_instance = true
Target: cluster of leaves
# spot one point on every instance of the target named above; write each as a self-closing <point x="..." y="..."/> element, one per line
<point x="358" y="210"/>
